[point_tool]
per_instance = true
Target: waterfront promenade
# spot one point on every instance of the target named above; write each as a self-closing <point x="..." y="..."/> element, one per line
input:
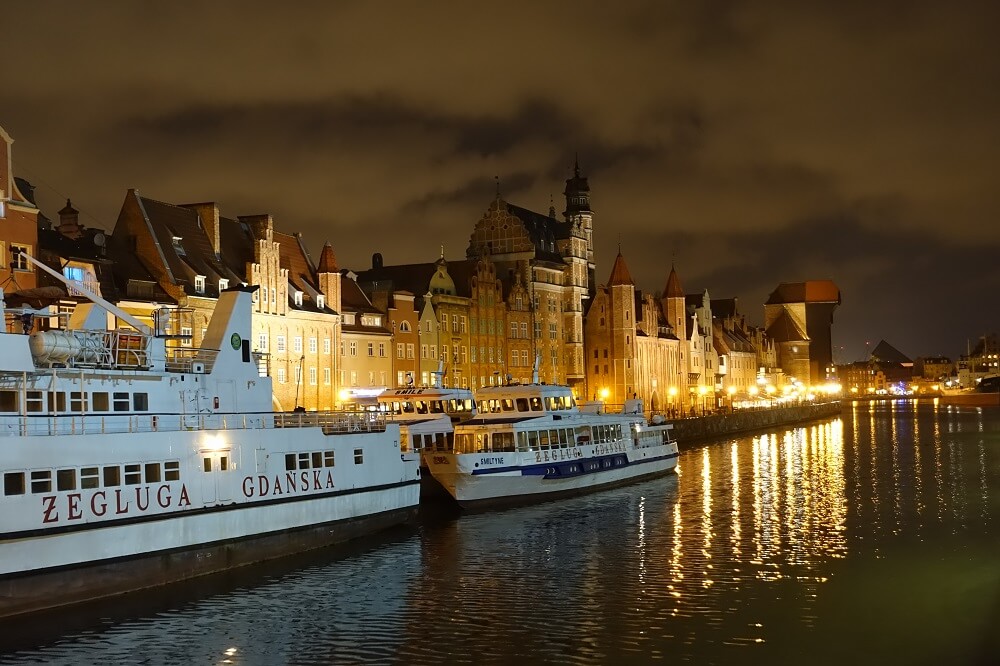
<point x="749" y="421"/>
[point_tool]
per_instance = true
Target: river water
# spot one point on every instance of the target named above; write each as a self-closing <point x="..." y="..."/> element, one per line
<point x="869" y="539"/>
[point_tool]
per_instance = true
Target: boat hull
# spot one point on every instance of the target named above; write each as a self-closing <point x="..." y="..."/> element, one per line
<point x="59" y="586"/>
<point x="521" y="484"/>
<point x="63" y="546"/>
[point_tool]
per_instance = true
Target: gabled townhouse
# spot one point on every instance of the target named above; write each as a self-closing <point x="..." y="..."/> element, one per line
<point x="18" y="223"/>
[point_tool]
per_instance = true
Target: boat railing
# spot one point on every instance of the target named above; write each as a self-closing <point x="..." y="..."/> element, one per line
<point x="190" y="359"/>
<point x="332" y="423"/>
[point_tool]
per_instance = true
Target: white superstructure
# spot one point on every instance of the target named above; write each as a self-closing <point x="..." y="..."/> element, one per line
<point x="426" y="416"/>
<point x="126" y="463"/>
<point x="531" y="442"/>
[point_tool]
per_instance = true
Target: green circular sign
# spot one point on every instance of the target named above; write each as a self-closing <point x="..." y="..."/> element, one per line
<point x="235" y="341"/>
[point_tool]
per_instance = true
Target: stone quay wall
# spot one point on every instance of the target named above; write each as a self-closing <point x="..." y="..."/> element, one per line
<point x="747" y="421"/>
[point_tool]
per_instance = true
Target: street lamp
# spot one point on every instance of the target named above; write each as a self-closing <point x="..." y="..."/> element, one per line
<point x="298" y="382"/>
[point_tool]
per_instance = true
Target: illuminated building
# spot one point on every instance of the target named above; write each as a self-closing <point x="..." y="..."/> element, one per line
<point x="798" y="316"/>
<point x="18" y="221"/>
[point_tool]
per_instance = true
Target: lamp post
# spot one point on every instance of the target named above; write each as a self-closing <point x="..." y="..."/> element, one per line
<point x="298" y="382"/>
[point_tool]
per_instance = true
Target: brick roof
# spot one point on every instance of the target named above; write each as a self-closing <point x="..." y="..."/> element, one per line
<point x="673" y="288"/>
<point x="812" y="291"/>
<point x="619" y="273"/>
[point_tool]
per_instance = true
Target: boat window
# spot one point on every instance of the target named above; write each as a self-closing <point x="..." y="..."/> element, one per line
<point x="317" y="459"/>
<point x="78" y="401"/>
<point x="462" y="442"/>
<point x="328" y="459"/>
<point x="563" y="439"/>
<point x="133" y="473"/>
<point x="536" y="404"/>
<point x="100" y="401"/>
<point x="172" y="471"/>
<point x="33" y="401"/>
<point x="508" y="405"/>
<point x="303" y="461"/>
<point x="554" y="438"/>
<point x="57" y="401"/>
<point x="359" y="456"/>
<point x="13" y="483"/>
<point x="223" y="463"/>
<point x="112" y="476"/>
<point x="543" y="439"/>
<point x="450" y="442"/>
<point x="522" y="441"/>
<point x="206" y="463"/>
<point x="421" y="407"/>
<point x="8" y="401"/>
<point x="121" y="402"/>
<point x="289" y="462"/>
<point x="532" y="439"/>
<point x="437" y="407"/>
<point x="407" y="408"/>
<point x="618" y="431"/>
<point x="41" y="481"/>
<point x="90" y="477"/>
<point x="551" y="404"/>
<point x="152" y="472"/>
<point x="583" y="435"/>
<point x="66" y="479"/>
<point x="522" y="404"/>
<point x="508" y="441"/>
<point x="140" y="402"/>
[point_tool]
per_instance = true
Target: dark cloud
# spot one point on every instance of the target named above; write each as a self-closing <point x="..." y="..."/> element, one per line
<point x="749" y="142"/>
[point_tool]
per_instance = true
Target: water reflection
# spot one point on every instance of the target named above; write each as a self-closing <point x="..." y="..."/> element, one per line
<point x="762" y="549"/>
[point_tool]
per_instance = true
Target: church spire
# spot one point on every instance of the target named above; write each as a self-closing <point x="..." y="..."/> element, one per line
<point x="619" y="272"/>
<point x="673" y="288"/>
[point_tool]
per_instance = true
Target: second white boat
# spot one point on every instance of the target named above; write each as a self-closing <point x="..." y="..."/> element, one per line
<point x="531" y="442"/>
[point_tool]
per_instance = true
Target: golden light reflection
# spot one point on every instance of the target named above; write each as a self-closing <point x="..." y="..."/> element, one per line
<point x="706" y="515"/>
<point x="781" y="507"/>
<point x="737" y="534"/>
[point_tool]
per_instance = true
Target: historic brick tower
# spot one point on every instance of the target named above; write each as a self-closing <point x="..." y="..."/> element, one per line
<point x="578" y="214"/>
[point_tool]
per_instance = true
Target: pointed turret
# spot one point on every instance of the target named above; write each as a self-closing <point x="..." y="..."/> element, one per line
<point x="672" y="303"/>
<point x="673" y="288"/>
<point x="619" y="272"/>
<point x="327" y="260"/>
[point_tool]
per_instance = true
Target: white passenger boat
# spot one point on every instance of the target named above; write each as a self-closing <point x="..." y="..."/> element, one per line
<point x="532" y="442"/>
<point x="128" y="463"/>
<point x="426" y="416"/>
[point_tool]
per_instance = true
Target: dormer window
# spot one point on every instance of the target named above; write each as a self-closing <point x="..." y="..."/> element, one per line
<point x="297" y="296"/>
<point x="320" y="301"/>
<point x="178" y="248"/>
<point x="223" y="284"/>
<point x="199" y="284"/>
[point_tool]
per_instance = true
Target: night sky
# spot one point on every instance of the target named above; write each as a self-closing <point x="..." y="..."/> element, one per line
<point x="751" y="143"/>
